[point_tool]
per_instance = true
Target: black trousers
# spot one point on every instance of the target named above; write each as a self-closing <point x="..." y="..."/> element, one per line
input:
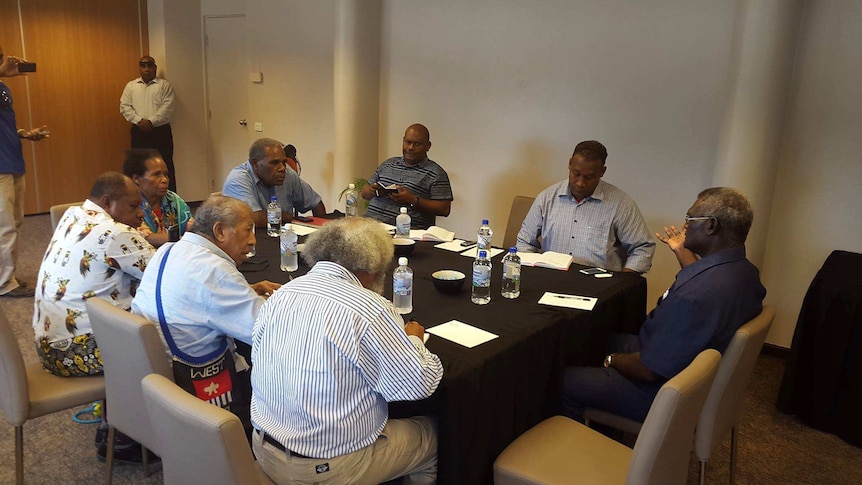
<point x="162" y="140"/>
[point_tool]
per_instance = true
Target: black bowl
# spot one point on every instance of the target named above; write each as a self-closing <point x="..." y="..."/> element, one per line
<point x="448" y="281"/>
<point x="403" y="246"/>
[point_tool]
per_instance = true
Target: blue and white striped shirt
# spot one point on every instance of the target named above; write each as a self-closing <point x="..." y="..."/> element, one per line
<point x="605" y="229"/>
<point x="327" y="356"/>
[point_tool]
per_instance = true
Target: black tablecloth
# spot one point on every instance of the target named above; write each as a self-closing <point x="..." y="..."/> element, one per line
<point x="824" y="372"/>
<point x="493" y="392"/>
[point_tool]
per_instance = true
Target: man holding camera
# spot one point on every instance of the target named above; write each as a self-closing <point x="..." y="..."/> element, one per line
<point x="12" y="180"/>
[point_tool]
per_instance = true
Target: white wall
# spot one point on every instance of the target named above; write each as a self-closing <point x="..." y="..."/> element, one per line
<point x="508" y="87"/>
<point x="816" y="206"/>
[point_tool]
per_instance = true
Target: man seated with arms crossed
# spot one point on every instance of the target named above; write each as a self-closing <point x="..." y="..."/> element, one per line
<point x="594" y="221"/>
<point x="205" y="299"/>
<point x="265" y="174"/>
<point x="709" y="300"/>
<point x="95" y="252"/>
<point x="421" y="184"/>
<point x="329" y="353"/>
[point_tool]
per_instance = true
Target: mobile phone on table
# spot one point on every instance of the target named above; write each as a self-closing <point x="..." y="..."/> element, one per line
<point x="593" y="271"/>
<point x="26" y="67"/>
<point x="302" y="219"/>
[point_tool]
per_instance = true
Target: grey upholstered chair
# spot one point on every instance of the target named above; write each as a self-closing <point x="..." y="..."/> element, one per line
<point x="57" y="212"/>
<point x="200" y="443"/>
<point x="27" y="391"/>
<point x="561" y="451"/>
<point x="724" y="404"/>
<point x="131" y="348"/>
<point x="520" y="207"/>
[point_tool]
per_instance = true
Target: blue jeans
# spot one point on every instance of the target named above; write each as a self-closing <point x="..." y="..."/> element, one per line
<point x="607" y="389"/>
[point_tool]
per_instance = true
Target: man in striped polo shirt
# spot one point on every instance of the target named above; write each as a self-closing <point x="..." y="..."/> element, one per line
<point x="420" y="184"/>
<point x="329" y="352"/>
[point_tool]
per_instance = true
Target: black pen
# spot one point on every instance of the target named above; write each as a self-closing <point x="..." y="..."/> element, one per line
<point x="569" y="297"/>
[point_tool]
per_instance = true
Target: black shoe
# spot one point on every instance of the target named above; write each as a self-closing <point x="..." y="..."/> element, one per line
<point x="129" y="455"/>
<point x="20" y="292"/>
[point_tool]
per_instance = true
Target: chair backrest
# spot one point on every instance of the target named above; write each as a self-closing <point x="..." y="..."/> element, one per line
<point x="131" y="348"/>
<point x="14" y="392"/>
<point x="200" y="442"/>
<point x="57" y="212"/>
<point x="724" y="402"/>
<point x="520" y="207"/>
<point x="663" y="446"/>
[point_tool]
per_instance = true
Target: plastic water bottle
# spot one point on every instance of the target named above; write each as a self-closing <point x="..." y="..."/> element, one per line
<point x="483" y="237"/>
<point x="402" y="287"/>
<point x="481" y="294"/>
<point x="351" y="198"/>
<point x="402" y="224"/>
<point x="273" y="217"/>
<point x="289" y="261"/>
<point x="511" y="274"/>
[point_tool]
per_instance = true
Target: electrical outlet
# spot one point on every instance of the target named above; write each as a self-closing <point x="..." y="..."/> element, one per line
<point x="258" y="127"/>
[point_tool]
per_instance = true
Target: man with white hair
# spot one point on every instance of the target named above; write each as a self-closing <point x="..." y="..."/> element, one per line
<point x="329" y="352"/>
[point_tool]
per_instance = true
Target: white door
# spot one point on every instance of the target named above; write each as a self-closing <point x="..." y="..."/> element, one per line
<point x="227" y="71"/>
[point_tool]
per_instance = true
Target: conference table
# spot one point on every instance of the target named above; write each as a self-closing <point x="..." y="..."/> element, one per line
<point x="495" y="391"/>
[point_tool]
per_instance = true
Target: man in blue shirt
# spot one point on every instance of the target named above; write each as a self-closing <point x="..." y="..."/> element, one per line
<point x="11" y="182"/>
<point x="716" y="292"/>
<point x="264" y="175"/>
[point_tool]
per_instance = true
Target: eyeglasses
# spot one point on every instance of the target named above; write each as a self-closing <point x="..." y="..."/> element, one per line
<point x="699" y="218"/>
<point x="147" y="64"/>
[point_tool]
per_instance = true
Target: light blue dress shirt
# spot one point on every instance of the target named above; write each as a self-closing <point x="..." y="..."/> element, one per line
<point x="243" y="184"/>
<point x="205" y="297"/>
<point x="605" y="229"/>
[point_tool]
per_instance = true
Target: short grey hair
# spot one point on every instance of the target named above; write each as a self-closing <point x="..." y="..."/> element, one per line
<point x="356" y="243"/>
<point x="218" y="208"/>
<point x="258" y="148"/>
<point x="731" y="208"/>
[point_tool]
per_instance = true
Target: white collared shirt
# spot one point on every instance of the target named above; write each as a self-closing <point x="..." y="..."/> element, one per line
<point x="153" y="101"/>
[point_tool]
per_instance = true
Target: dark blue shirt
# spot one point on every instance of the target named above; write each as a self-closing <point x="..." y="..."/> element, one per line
<point x="425" y="179"/>
<point x="11" y="158"/>
<point x="704" y="307"/>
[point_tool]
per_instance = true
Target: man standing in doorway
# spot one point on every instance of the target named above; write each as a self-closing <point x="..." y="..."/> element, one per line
<point x="11" y="182"/>
<point x="148" y="104"/>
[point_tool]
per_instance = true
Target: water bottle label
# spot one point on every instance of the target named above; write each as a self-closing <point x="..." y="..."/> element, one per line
<point x="351" y="199"/>
<point x="273" y="217"/>
<point x="402" y="286"/>
<point x="481" y="276"/>
<point x="512" y="272"/>
<point x="288" y="249"/>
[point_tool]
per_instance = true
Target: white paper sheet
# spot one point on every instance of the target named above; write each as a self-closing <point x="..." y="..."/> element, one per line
<point x="462" y="333"/>
<point x="454" y="246"/>
<point x="568" y="301"/>
<point x="472" y="252"/>
<point x="389" y="227"/>
<point x="302" y="230"/>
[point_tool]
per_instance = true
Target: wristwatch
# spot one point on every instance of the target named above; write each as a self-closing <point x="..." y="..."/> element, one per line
<point x="609" y="361"/>
<point x="415" y="202"/>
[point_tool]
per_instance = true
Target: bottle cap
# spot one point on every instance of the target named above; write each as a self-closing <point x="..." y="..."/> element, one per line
<point x="403" y="210"/>
<point x="484" y="222"/>
<point x="273" y="198"/>
<point x="351" y="186"/>
<point x="483" y="254"/>
<point x="513" y="249"/>
<point x="402" y="261"/>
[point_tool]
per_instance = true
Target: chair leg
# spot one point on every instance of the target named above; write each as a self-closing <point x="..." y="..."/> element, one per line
<point x="145" y="460"/>
<point x="734" y="436"/>
<point x="702" y="472"/>
<point x="19" y="455"/>
<point x="109" y="456"/>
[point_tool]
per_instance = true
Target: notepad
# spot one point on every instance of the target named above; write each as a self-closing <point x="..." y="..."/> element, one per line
<point x="568" y="301"/>
<point x="462" y="333"/>
<point x="433" y="233"/>
<point x="453" y="245"/>
<point x="388" y="227"/>
<point x="302" y="230"/>
<point x="548" y="259"/>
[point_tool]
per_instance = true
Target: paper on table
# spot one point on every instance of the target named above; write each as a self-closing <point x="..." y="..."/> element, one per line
<point x="472" y="252"/>
<point x="301" y="230"/>
<point x="462" y="333"/>
<point x="568" y="301"/>
<point x="389" y="227"/>
<point x="454" y="246"/>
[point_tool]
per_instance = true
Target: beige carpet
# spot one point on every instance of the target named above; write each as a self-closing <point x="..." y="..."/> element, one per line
<point x="774" y="448"/>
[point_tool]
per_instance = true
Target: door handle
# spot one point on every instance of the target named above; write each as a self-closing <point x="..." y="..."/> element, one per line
<point x="243" y="122"/>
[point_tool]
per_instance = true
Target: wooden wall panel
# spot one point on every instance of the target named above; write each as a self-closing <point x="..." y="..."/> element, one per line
<point x="86" y="50"/>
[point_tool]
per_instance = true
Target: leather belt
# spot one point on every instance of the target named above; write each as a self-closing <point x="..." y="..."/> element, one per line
<point x="274" y="442"/>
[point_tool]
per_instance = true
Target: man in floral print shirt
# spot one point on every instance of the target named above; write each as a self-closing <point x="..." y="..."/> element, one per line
<point x="95" y="252"/>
